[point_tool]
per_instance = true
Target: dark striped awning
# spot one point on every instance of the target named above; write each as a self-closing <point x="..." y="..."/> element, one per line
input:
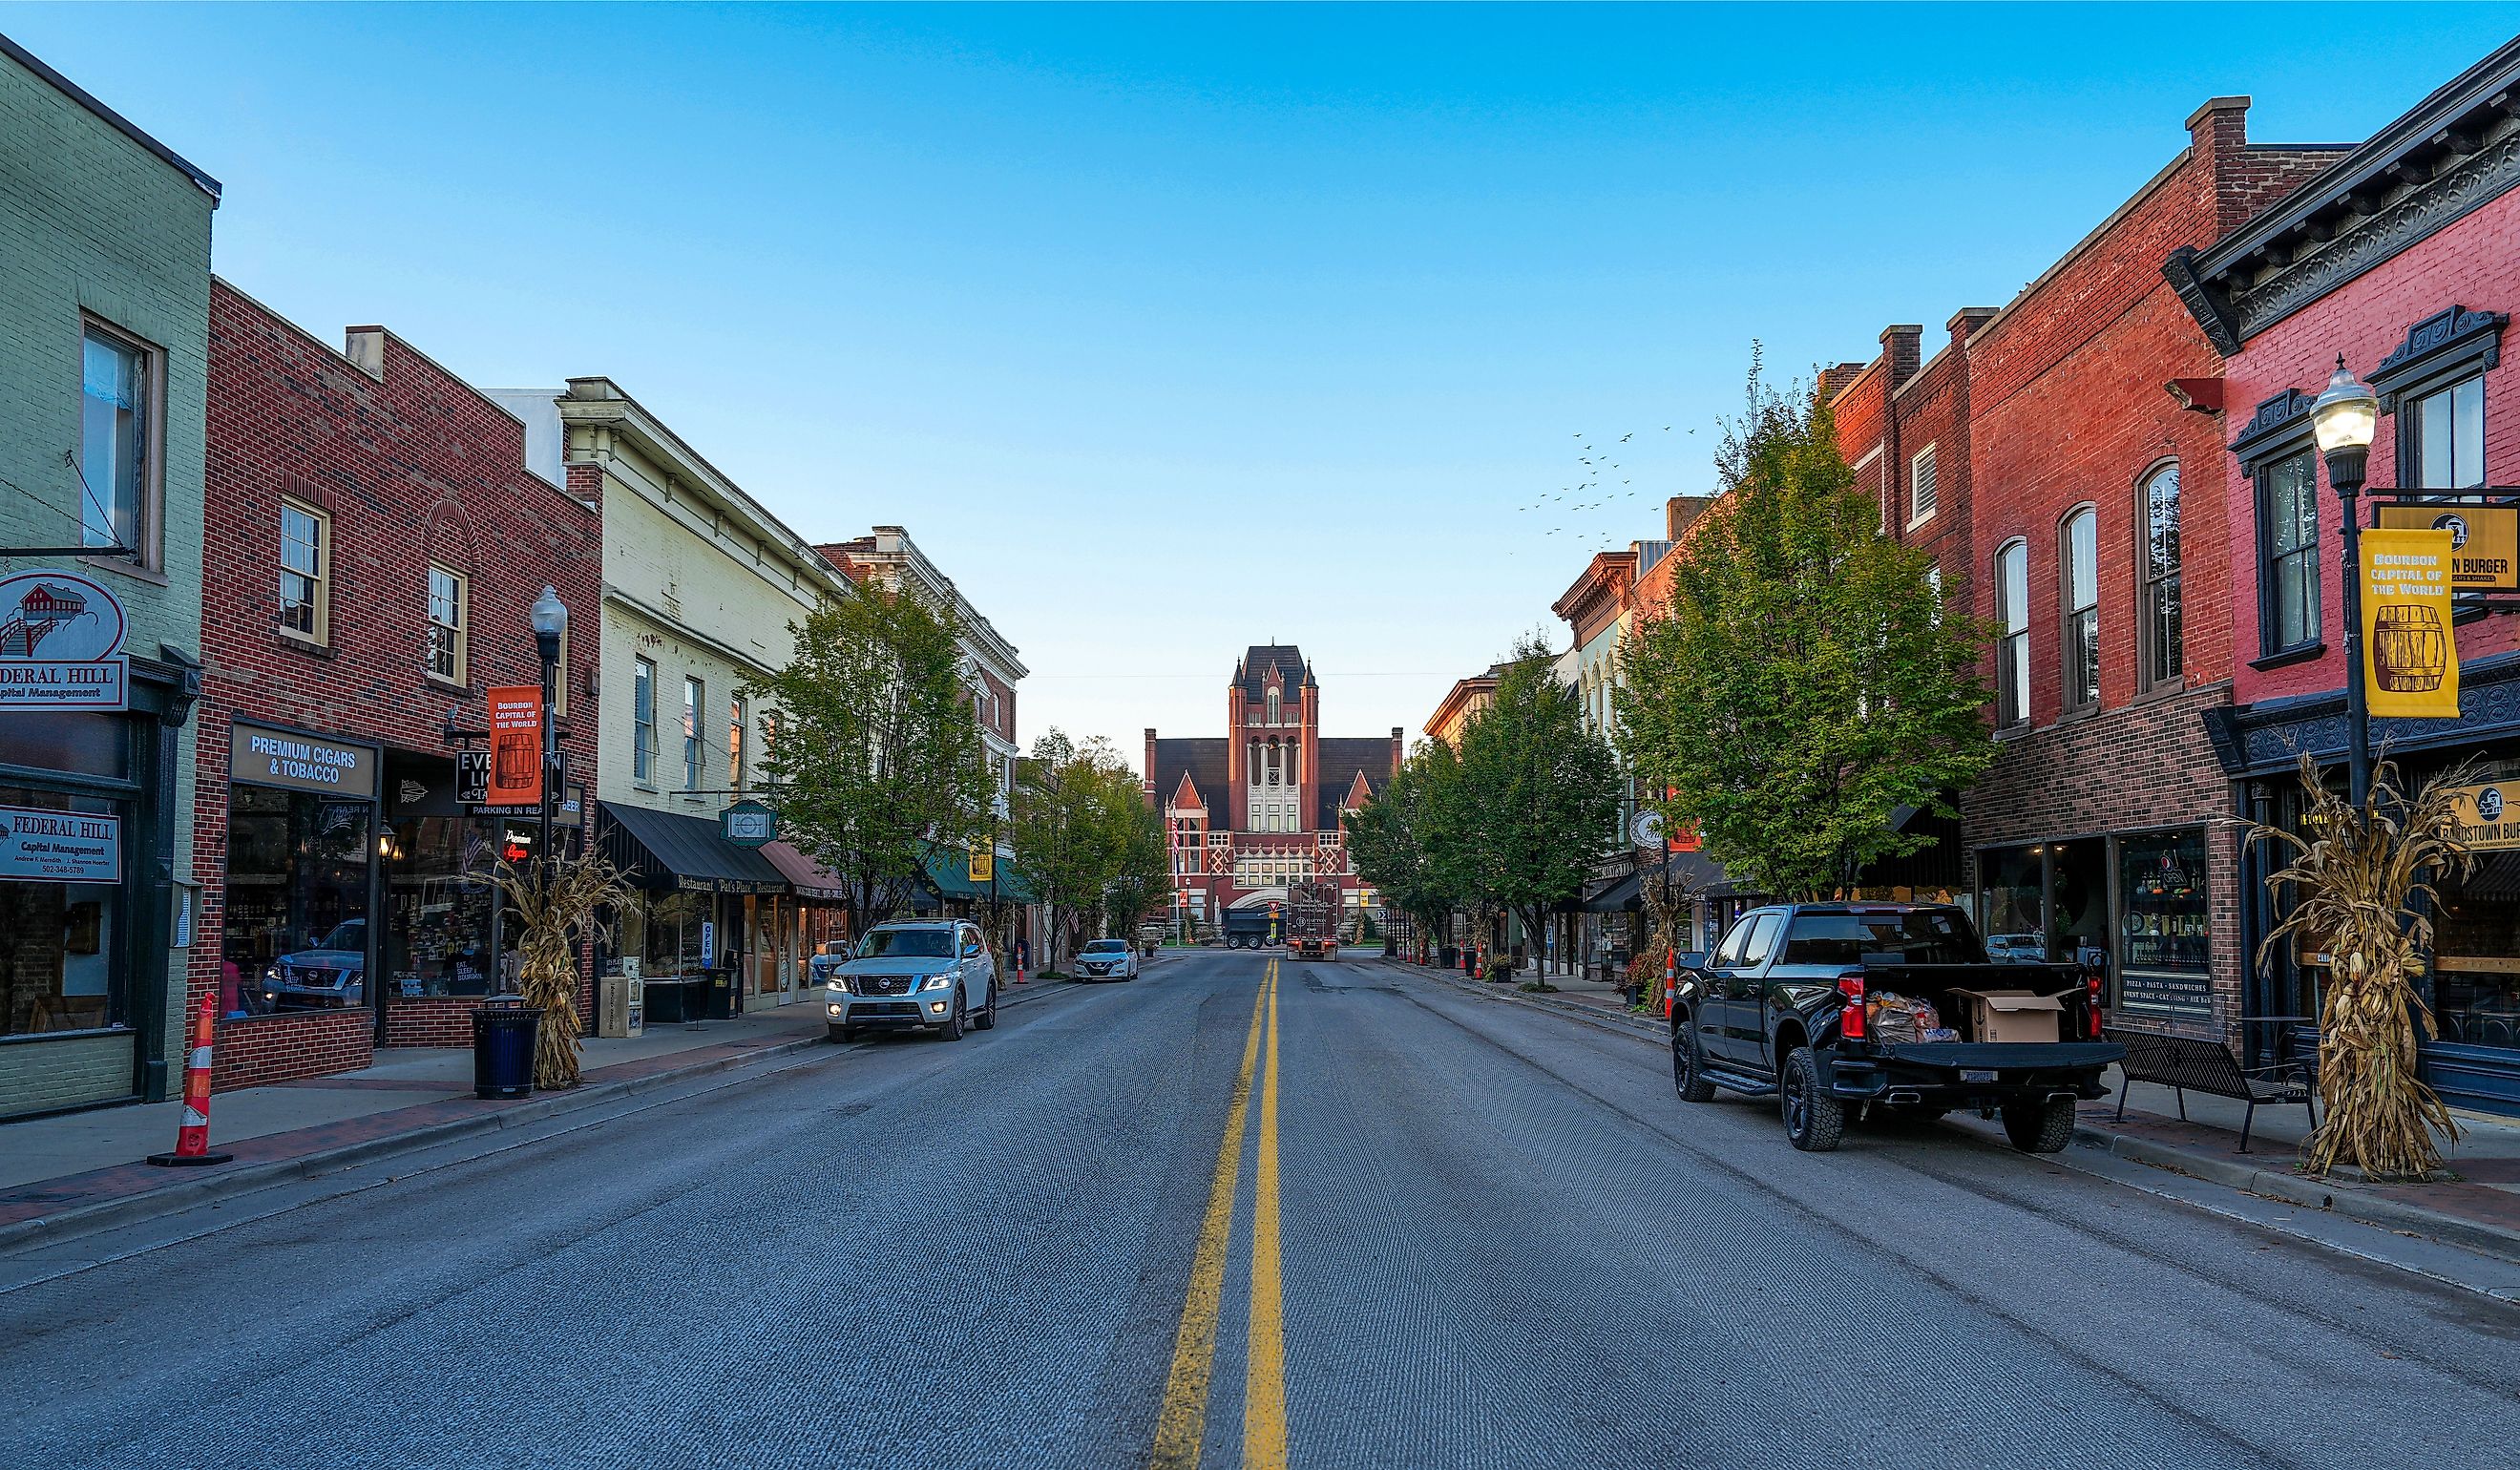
<point x="667" y="851"/>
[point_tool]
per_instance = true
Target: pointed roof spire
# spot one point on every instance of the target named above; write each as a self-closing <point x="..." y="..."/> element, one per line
<point x="1186" y="798"/>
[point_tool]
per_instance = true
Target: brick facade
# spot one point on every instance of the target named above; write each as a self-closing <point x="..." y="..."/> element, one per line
<point x="412" y="467"/>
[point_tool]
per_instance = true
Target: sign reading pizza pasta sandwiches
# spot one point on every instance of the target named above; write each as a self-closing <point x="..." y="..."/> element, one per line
<point x="2410" y="658"/>
<point x="2484" y="541"/>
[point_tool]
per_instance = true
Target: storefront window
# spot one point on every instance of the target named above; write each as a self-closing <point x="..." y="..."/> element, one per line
<point x="296" y="900"/>
<point x="664" y="929"/>
<point x="2164" y="961"/>
<point x="439" y="938"/>
<point x="2012" y="906"/>
<point x="2476" y="954"/>
<point x="59" y="913"/>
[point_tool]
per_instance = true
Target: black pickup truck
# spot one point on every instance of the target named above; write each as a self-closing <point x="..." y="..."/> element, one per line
<point x="1832" y="1005"/>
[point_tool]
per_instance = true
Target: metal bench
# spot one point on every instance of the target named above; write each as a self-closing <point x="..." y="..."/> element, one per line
<point x="2193" y="1064"/>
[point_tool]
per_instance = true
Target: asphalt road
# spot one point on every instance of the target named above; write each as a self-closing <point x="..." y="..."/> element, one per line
<point x="1455" y="1232"/>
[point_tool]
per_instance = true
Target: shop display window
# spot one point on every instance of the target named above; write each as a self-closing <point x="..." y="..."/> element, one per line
<point x="440" y="937"/>
<point x="296" y="904"/>
<point x="58" y="939"/>
<point x="2476" y="954"/>
<point x="2012" y="906"/>
<point x="663" y="929"/>
<point x="2166" y="953"/>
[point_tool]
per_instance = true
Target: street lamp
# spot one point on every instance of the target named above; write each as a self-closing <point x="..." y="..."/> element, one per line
<point x="550" y="623"/>
<point x="2343" y="419"/>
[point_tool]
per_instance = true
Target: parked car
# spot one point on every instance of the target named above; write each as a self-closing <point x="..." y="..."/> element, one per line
<point x="329" y="976"/>
<point x="1106" y="959"/>
<point x="2016" y="949"/>
<point x="924" y="975"/>
<point x="1825" y="1007"/>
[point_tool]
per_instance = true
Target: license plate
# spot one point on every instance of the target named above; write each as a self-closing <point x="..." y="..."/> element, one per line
<point x="1977" y="1074"/>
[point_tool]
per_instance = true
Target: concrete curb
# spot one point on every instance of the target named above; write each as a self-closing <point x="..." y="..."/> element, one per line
<point x="2282" y="1184"/>
<point x="2276" y="1183"/>
<point x="183" y="1194"/>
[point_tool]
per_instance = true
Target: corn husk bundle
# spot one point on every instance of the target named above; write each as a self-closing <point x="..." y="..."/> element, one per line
<point x="2356" y="877"/>
<point x="562" y="904"/>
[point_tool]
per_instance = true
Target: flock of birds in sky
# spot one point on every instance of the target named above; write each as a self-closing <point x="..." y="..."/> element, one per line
<point x="1592" y="491"/>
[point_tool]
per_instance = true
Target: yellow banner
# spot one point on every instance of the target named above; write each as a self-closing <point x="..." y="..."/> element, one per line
<point x="2484" y="823"/>
<point x="984" y="865"/>
<point x="2411" y="663"/>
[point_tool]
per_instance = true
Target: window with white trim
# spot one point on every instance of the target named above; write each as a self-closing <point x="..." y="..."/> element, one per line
<point x="305" y="572"/>
<point x="2078" y="585"/>
<point x="643" y="719"/>
<point x="449" y="621"/>
<point x="2013" y="645"/>
<point x="1922" y="482"/>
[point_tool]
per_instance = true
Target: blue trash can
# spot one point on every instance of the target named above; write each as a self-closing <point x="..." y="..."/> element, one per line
<point x="503" y="1049"/>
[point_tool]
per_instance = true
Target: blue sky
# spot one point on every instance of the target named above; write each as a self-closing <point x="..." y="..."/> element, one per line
<point x="1167" y="331"/>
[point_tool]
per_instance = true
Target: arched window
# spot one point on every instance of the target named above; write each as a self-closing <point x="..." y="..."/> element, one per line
<point x="2164" y="652"/>
<point x="2078" y="597"/>
<point x="1273" y="706"/>
<point x="2013" y="645"/>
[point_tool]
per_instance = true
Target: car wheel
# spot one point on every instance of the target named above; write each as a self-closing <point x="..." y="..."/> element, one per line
<point x="986" y="1019"/>
<point x="1688" y="1062"/>
<point x="844" y="1033"/>
<point x="2042" y="1127"/>
<point x="952" y="1029"/>
<point x="1814" y="1120"/>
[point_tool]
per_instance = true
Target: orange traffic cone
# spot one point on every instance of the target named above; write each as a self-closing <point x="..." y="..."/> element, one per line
<point x="1670" y="981"/>
<point x="192" y="1140"/>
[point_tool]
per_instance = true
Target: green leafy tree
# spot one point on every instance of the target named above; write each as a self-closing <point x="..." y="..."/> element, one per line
<point x="1536" y="803"/>
<point x="1078" y="813"/>
<point x="1805" y="679"/>
<point x="1142" y="877"/>
<point x="877" y="761"/>
<point x="1391" y="839"/>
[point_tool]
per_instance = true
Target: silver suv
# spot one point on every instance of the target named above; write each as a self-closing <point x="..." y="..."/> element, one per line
<point x="924" y="975"/>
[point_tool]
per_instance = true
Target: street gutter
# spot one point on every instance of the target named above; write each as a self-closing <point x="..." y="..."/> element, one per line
<point x="183" y="1191"/>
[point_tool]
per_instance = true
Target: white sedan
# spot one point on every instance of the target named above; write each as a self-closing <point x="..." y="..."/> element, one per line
<point x="1107" y="960"/>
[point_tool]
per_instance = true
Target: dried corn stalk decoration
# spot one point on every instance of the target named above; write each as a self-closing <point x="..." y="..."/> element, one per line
<point x="2356" y="877"/>
<point x="561" y="905"/>
<point x="1665" y="920"/>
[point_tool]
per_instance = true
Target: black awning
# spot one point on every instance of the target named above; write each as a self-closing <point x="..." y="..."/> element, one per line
<point x="1619" y="895"/>
<point x="662" y="850"/>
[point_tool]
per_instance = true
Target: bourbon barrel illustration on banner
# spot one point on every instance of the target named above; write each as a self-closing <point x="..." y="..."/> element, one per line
<point x="2409" y="649"/>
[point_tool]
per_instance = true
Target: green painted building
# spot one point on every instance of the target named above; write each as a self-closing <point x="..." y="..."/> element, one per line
<point x="104" y="291"/>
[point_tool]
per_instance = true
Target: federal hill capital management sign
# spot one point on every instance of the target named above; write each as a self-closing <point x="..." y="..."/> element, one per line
<point x="60" y="646"/>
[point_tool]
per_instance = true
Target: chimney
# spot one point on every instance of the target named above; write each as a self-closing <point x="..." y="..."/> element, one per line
<point x="1965" y="322"/>
<point x="1678" y="512"/>
<point x="1900" y="354"/>
<point x="1153" y="795"/>
<point x="1396" y="751"/>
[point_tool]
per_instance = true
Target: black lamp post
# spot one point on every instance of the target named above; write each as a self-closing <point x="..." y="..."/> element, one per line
<point x="551" y="622"/>
<point x="2344" y="420"/>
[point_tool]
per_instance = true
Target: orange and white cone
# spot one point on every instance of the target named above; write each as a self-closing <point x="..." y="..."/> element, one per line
<point x="1670" y="981"/>
<point x="192" y="1140"/>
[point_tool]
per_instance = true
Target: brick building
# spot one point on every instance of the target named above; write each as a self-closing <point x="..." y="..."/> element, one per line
<point x="2095" y="828"/>
<point x="105" y="233"/>
<point x="2401" y="257"/>
<point x="1258" y="808"/>
<point x="380" y="540"/>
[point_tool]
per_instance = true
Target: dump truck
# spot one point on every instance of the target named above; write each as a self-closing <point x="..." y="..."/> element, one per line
<point x="1313" y="914"/>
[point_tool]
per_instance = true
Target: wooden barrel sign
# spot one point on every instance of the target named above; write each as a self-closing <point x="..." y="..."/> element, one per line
<point x="2409" y="653"/>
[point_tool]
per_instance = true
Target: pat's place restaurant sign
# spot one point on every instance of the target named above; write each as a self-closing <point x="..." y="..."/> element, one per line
<point x="60" y="645"/>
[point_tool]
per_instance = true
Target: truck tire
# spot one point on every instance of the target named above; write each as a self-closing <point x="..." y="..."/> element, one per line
<point x="952" y="1029"/>
<point x="1814" y="1120"/>
<point x="1688" y="1062"/>
<point x="2044" y="1127"/>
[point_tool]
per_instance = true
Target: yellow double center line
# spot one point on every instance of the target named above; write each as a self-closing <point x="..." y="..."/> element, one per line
<point x="1182" y="1424"/>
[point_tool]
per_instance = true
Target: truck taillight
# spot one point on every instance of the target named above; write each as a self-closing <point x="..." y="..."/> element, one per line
<point x="2092" y="1000"/>
<point x="1850" y="1022"/>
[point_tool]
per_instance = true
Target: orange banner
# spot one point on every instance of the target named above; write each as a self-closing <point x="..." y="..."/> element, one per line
<point x="516" y="747"/>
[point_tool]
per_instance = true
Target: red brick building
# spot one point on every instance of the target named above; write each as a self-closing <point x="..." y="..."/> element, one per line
<point x="2404" y="257"/>
<point x="2097" y="828"/>
<point x="1259" y="806"/>
<point x="376" y="541"/>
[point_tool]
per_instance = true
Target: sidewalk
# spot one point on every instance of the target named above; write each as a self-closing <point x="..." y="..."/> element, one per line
<point x="2479" y="1210"/>
<point x="80" y="1170"/>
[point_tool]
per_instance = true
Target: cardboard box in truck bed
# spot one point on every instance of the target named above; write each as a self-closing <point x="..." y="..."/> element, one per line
<point x="2010" y="1015"/>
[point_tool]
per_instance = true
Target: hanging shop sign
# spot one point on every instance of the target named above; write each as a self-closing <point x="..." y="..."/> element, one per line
<point x="42" y="845"/>
<point x="60" y="645"/>
<point x="2411" y="659"/>
<point x="516" y="746"/>
<point x="747" y="824"/>
<point x="473" y="788"/>
<point x="302" y="762"/>
<point x="985" y="864"/>
<point x="1645" y="829"/>
<point x="2484" y="541"/>
<point x="2488" y="815"/>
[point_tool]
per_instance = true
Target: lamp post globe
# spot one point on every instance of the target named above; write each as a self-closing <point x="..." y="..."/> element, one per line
<point x="2343" y="418"/>
<point x="551" y="620"/>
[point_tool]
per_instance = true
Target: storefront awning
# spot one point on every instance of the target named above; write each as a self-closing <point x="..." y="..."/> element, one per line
<point x="1617" y="896"/>
<point x="806" y="879"/>
<point x="662" y="850"/>
<point x="949" y="873"/>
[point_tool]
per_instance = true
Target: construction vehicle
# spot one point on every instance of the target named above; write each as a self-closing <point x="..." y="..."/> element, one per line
<point x="1313" y="914"/>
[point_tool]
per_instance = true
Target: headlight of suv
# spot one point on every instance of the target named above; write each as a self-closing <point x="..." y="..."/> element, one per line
<point x="937" y="982"/>
<point x="836" y="983"/>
